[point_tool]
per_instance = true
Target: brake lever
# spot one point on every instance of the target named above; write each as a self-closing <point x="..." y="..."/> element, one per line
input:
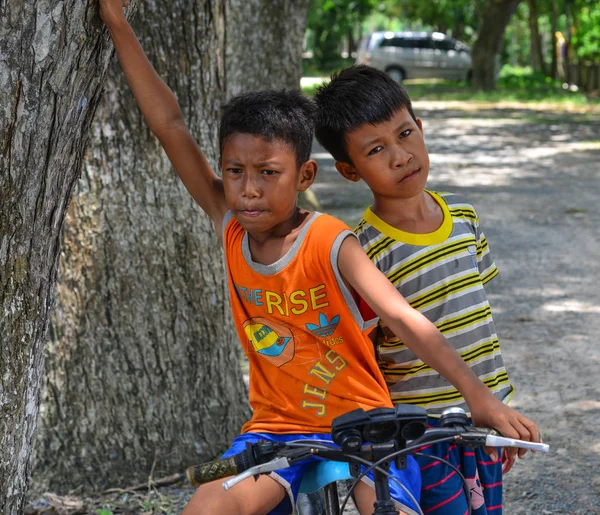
<point x="287" y="457"/>
<point x="493" y="438"/>
<point x="276" y="464"/>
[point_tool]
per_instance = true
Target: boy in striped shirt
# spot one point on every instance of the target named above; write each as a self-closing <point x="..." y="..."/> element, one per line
<point x="431" y="247"/>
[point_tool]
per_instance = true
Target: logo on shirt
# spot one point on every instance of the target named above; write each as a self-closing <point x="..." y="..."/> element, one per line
<point x="325" y="327"/>
<point x="272" y="340"/>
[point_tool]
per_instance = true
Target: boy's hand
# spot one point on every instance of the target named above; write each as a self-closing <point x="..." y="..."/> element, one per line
<point x="112" y="10"/>
<point x="510" y="423"/>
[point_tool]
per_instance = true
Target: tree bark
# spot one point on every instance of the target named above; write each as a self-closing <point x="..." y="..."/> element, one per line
<point x="554" y="39"/>
<point x="144" y="366"/>
<point x="264" y="44"/>
<point x="54" y="55"/>
<point x="537" y="56"/>
<point x="264" y="51"/>
<point x="487" y="46"/>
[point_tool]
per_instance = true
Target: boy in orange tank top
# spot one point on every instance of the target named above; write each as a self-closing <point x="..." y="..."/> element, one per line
<point x="292" y="274"/>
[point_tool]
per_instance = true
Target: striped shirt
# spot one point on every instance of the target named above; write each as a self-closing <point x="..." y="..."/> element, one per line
<point x="441" y="274"/>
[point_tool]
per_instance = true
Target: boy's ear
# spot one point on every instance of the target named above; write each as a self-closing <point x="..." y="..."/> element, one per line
<point x="308" y="174"/>
<point x="347" y="171"/>
<point x="420" y="124"/>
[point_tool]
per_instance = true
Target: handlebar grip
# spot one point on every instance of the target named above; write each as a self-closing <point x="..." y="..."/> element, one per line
<point x="211" y="471"/>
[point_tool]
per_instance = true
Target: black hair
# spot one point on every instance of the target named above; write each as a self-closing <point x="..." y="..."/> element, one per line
<point x="285" y="115"/>
<point x="355" y="96"/>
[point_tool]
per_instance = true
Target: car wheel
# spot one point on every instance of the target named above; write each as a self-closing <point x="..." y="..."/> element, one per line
<point x="395" y="73"/>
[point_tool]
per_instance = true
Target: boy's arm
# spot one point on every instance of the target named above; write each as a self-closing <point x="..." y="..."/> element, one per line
<point x="163" y="115"/>
<point x="425" y="340"/>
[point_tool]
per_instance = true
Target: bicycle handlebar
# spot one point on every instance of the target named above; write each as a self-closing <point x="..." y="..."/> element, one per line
<point x="213" y="470"/>
<point x="242" y="465"/>
<point x="470" y="435"/>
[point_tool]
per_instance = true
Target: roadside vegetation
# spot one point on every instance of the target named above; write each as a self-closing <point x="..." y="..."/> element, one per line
<point x="515" y="85"/>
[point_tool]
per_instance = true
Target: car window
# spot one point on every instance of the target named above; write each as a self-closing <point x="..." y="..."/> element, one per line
<point x="422" y="43"/>
<point x="396" y="42"/>
<point x="444" y="44"/>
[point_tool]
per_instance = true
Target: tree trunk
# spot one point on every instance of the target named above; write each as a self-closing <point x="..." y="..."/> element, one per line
<point x="554" y="40"/>
<point x="54" y="55"/>
<point x="487" y="46"/>
<point x="264" y="44"/>
<point x="259" y="57"/>
<point x="536" y="54"/>
<point x="352" y="43"/>
<point x="144" y="366"/>
<point x="458" y="31"/>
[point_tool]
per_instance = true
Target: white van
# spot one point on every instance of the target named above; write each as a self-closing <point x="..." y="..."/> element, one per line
<point x="416" y="55"/>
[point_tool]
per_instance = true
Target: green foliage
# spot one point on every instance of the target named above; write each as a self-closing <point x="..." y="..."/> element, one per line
<point x="336" y="25"/>
<point x="104" y="511"/>
<point x="458" y="16"/>
<point x="587" y="35"/>
<point x="330" y="24"/>
<point x="516" y="84"/>
<point x="312" y="68"/>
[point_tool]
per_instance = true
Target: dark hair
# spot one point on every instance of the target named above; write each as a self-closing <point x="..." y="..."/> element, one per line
<point x="285" y="115"/>
<point x="355" y="96"/>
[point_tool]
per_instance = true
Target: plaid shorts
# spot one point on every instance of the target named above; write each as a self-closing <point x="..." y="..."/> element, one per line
<point x="442" y="490"/>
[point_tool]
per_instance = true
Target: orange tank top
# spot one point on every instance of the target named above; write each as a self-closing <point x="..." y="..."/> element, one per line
<point x="310" y="357"/>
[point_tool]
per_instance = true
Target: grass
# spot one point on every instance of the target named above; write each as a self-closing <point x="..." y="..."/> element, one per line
<point x="515" y="85"/>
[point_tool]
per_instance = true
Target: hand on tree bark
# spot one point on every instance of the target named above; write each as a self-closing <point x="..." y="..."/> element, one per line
<point x="112" y="10"/>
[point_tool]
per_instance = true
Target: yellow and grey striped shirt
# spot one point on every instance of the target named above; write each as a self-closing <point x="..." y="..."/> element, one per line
<point x="442" y="275"/>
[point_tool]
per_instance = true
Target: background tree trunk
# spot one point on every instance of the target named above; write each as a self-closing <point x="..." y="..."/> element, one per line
<point x="264" y="44"/>
<point x="537" y="56"/>
<point x="54" y="55"/>
<point x="144" y="365"/>
<point x="264" y="51"/>
<point x="554" y="39"/>
<point x="487" y="46"/>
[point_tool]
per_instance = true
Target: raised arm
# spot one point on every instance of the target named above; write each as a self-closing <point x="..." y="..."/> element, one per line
<point x="425" y="340"/>
<point x="163" y="115"/>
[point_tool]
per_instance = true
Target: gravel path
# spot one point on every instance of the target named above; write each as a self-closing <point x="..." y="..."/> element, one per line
<point x="534" y="178"/>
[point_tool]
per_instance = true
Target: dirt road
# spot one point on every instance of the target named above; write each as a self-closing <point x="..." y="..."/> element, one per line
<point x="534" y="178"/>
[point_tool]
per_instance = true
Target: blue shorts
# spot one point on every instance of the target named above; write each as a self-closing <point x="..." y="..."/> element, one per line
<point x="291" y="477"/>
<point x="442" y="491"/>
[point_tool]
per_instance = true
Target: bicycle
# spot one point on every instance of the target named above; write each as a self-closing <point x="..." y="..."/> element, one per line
<point x="370" y="438"/>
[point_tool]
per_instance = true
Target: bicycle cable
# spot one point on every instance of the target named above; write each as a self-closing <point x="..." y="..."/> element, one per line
<point x="372" y="466"/>
<point x="307" y="443"/>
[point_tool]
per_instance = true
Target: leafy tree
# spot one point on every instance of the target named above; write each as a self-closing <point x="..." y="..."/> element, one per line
<point x="143" y="367"/>
<point x="331" y="22"/>
<point x="460" y="17"/>
<point x="494" y="19"/>
<point x="586" y="37"/>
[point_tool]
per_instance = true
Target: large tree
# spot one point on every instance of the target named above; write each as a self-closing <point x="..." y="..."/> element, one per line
<point x="494" y="18"/>
<point x="143" y="366"/>
<point x="54" y="55"/>
<point x="264" y="44"/>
